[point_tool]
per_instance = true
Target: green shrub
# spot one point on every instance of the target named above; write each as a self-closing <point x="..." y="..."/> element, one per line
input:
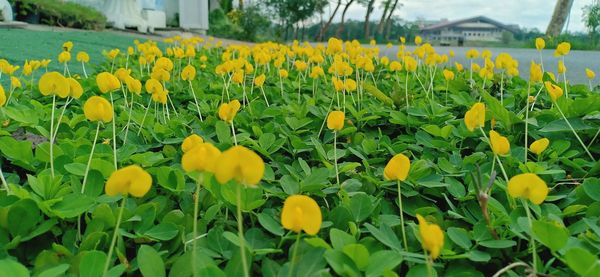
<point x="58" y="13"/>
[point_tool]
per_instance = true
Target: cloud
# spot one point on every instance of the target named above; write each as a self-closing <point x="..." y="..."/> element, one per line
<point x="525" y="13"/>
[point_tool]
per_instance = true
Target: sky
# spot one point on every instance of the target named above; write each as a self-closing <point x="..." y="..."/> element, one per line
<point x="525" y="13"/>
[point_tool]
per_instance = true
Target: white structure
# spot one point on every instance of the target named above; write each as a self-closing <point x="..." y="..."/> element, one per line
<point x="6" y="11"/>
<point x="146" y="15"/>
<point x="478" y="28"/>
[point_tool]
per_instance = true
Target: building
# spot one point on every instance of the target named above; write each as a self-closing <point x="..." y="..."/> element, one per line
<point x="478" y="28"/>
<point x="147" y="15"/>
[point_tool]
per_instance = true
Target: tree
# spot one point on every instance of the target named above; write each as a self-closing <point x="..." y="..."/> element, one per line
<point x="386" y="6"/>
<point x="559" y="17"/>
<point x="370" y="8"/>
<point x="341" y="26"/>
<point x="387" y="21"/>
<point x="591" y="19"/>
<point x="319" y="36"/>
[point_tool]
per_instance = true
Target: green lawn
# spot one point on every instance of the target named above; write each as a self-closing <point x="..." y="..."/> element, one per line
<point x="18" y="45"/>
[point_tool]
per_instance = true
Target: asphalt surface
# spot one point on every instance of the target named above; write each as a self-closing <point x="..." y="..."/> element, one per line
<point x="576" y="62"/>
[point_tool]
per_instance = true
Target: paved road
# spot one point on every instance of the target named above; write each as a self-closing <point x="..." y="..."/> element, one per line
<point x="576" y="61"/>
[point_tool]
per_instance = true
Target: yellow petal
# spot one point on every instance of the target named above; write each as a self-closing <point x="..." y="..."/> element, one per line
<point x="397" y="168"/>
<point x="539" y="146"/>
<point x="301" y="212"/>
<point x="335" y="120"/>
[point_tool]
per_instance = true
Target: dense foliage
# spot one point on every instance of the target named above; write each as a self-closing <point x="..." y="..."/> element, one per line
<point x="59" y="13"/>
<point x="347" y="163"/>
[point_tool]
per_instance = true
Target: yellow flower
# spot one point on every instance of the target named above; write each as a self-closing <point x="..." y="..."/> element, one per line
<point x="395" y="66"/>
<point x="188" y="73"/>
<point x="54" y="83"/>
<point x="554" y="90"/>
<point x="130" y="51"/>
<point x="283" y="73"/>
<point x="535" y="72"/>
<point x="402" y="40"/>
<point x="112" y="54"/>
<point x="316" y="72"/>
<point x="432" y="237"/>
<point x="160" y="96"/>
<point x="451" y="53"/>
<point x="191" y="141"/>
<point x="227" y="111"/>
<point x="201" y="157"/>
<point x="64" y="57"/>
<point x="67" y="46"/>
<point x="300" y="65"/>
<point x="107" y="82"/>
<point x="15" y="82"/>
<point x="260" y="80"/>
<point x="528" y="186"/>
<point x="539" y="146"/>
<point x="241" y="164"/>
<point x="134" y="85"/>
<point x="75" y="90"/>
<point x="300" y="212"/>
<point x="2" y="96"/>
<point x="83" y="57"/>
<point x="97" y="108"/>
<point x="540" y="44"/>
<point x="459" y="67"/>
<point x="410" y="64"/>
<point x="27" y="68"/>
<point x="475" y="117"/>
<point x="486" y="54"/>
<point x="472" y="54"/>
<point x="164" y="63"/>
<point x="500" y="144"/>
<point x="561" y="67"/>
<point x="590" y="74"/>
<point x="448" y="75"/>
<point x="397" y="168"/>
<point x="238" y="76"/>
<point x="160" y="74"/>
<point x="129" y="180"/>
<point x="350" y="85"/>
<point x="123" y="74"/>
<point x="418" y="40"/>
<point x="335" y="120"/>
<point x="153" y="86"/>
<point x="562" y="49"/>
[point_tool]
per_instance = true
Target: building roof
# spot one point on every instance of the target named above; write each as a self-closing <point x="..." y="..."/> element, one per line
<point x="485" y="19"/>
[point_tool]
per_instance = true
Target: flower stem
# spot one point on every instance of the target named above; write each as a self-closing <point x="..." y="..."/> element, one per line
<point x="233" y="133"/>
<point x="533" y="248"/>
<point x="85" y="175"/>
<point x="114" y="125"/>
<point x="527" y="118"/>
<point x="195" y="224"/>
<point x="575" y="133"/>
<point x="144" y="118"/>
<point x="295" y="252"/>
<point x="114" y="238"/>
<point x="402" y="217"/>
<point x="241" y="232"/>
<point x="337" y="174"/>
<point x="195" y="100"/>
<point x="51" y="137"/>
<point x="406" y="89"/>
<point x="4" y="183"/>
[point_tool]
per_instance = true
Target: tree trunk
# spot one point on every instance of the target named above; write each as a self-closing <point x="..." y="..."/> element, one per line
<point x="559" y="17"/>
<point x="383" y="17"/>
<point x="367" y="17"/>
<point x="319" y="36"/>
<point x="387" y="22"/>
<point x="340" y="29"/>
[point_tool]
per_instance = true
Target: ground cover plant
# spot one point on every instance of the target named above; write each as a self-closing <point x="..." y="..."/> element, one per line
<point x="194" y="159"/>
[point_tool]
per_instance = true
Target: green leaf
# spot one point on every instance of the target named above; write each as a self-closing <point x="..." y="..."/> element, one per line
<point x="267" y="222"/>
<point x="56" y="271"/>
<point x="13" y="268"/>
<point x="420" y="271"/>
<point x="18" y="151"/>
<point x="459" y="236"/>
<point x="150" y="262"/>
<point x="498" y="243"/>
<point x="591" y="186"/>
<point x="361" y="206"/>
<point x="583" y="262"/>
<point x="358" y="253"/>
<point x="339" y="238"/>
<point x="381" y="261"/>
<point x="223" y="131"/>
<point x="163" y="231"/>
<point x="385" y="235"/>
<point x="72" y="205"/>
<point x="92" y="264"/>
<point x="551" y="234"/>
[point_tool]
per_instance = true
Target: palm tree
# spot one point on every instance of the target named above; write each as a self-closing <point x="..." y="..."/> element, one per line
<point x="319" y="36"/>
<point x="340" y="29"/>
<point x="370" y="8"/>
